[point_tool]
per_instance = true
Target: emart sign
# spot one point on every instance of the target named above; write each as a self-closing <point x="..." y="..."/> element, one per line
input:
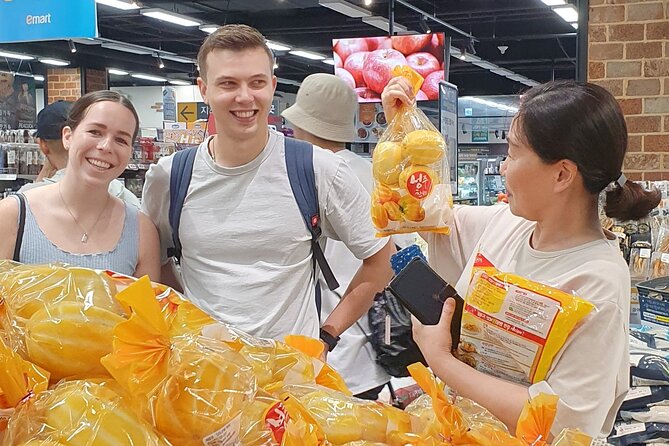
<point x="32" y="20"/>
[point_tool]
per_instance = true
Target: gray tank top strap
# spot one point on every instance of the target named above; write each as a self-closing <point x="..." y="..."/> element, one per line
<point x="36" y="248"/>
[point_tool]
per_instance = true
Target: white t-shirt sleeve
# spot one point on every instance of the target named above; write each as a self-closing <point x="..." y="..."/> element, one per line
<point x="345" y="206"/>
<point x="586" y="371"/>
<point x="156" y="202"/>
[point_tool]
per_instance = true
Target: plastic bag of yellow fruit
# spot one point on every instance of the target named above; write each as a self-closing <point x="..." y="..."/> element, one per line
<point x="412" y="188"/>
<point x="60" y="318"/>
<point x="80" y="413"/>
<point x="345" y="419"/>
<point x="191" y="388"/>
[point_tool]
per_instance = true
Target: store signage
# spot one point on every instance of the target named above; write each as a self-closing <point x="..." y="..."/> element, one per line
<point x="448" y="120"/>
<point x="17" y="102"/>
<point x="169" y="104"/>
<point x="480" y="135"/>
<point x="33" y="20"/>
<point x="192" y="111"/>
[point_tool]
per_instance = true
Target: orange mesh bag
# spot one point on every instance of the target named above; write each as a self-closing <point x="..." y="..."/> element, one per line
<point x="412" y="190"/>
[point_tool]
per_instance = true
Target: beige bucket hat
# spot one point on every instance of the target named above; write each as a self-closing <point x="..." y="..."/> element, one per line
<point x="325" y="107"/>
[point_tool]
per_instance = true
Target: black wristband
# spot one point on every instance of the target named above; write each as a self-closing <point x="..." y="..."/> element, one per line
<point x="330" y="340"/>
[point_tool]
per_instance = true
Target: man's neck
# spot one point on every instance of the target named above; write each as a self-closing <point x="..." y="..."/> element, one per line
<point x="58" y="162"/>
<point x="231" y="152"/>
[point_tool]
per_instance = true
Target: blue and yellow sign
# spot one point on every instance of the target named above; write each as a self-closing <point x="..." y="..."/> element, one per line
<point x="31" y="20"/>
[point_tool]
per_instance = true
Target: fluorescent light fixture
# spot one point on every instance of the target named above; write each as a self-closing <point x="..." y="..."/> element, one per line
<point x="171" y="17"/>
<point x="127" y="48"/>
<point x="471" y="58"/>
<point x="178" y="82"/>
<point x="117" y="72"/>
<point x="276" y="65"/>
<point x="502" y="72"/>
<point x="383" y="23"/>
<point x="493" y="104"/>
<point x="56" y="62"/>
<point x="87" y="41"/>
<point x="329" y="61"/>
<point x="368" y="2"/>
<point x="209" y="28"/>
<point x="485" y="65"/>
<point x="455" y="52"/>
<point x="176" y="58"/>
<point x="119" y="4"/>
<point x="346" y="8"/>
<point x="516" y="77"/>
<point x="276" y="46"/>
<point x="39" y="78"/>
<point x="9" y="55"/>
<point x="288" y="81"/>
<point x="554" y="2"/>
<point x="72" y="46"/>
<point x="307" y="55"/>
<point x="568" y="13"/>
<point x="149" y="77"/>
<point x="531" y="83"/>
<point x="575" y="25"/>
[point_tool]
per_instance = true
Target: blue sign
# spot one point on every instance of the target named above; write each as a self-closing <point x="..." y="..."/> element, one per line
<point x="31" y="20"/>
<point x="169" y="104"/>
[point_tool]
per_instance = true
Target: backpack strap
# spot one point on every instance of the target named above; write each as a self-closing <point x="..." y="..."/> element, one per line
<point x="22" y="225"/>
<point x="182" y="170"/>
<point x="300" y="165"/>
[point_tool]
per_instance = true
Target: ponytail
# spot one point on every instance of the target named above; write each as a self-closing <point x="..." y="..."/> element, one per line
<point x="630" y="201"/>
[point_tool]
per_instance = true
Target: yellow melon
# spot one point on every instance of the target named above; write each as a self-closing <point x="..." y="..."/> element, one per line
<point x="68" y="339"/>
<point x="386" y="162"/>
<point x="423" y="147"/>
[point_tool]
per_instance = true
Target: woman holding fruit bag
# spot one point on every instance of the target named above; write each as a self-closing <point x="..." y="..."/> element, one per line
<point x="566" y="145"/>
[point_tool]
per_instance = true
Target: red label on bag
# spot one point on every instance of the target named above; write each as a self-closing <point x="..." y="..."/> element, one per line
<point x="419" y="184"/>
<point x="276" y="419"/>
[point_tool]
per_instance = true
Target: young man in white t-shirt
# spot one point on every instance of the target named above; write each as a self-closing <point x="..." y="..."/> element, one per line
<point x="323" y="114"/>
<point x="246" y="256"/>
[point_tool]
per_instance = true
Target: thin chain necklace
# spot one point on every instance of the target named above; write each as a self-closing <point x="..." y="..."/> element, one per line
<point x="84" y="237"/>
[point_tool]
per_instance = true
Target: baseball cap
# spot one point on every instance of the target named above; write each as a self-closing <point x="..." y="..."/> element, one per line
<point x="325" y="107"/>
<point x="52" y="119"/>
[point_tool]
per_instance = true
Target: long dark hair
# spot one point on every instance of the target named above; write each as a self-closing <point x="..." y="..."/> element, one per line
<point x="80" y="108"/>
<point x="583" y="123"/>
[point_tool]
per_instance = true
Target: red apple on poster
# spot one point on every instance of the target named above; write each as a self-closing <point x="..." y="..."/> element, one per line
<point x="346" y="76"/>
<point x="423" y="63"/>
<point x="354" y="64"/>
<point x="367" y="95"/>
<point x="379" y="43"/>
<point x="337" y="60"/>
<point x="431" y="85"/>
<point x="410" y="44"/>
<point x="421" y="96"/>
<point x="346" y="47"/>
<point x="378" y="68"/>
<point x="436" y="46"/>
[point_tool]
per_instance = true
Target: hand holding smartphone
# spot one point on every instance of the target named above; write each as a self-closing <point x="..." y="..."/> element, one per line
<point x="423" y="292"/>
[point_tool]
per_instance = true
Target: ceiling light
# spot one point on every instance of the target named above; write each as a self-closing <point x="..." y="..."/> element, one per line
<point x="209" y="29"/>
<point x="575" y="25"/>
<point x="485" y="64"/>
<point x="492" y="104"/>
<point x="127" y="48"/>
<point x="383" y="23"/>
<point x="39" y="78"/>
<point x="502" y="72"/>
<point x="57" y="62"/>
<point x="368" y="2"/>
<point x="346" y="8"/>
<point x="423" y="25"/>
<point x="117" y="72"/>
<point x="554" y="2"/>
<point x="176" y="58"/>
<point x="276" y="46"/>
<point x="329" y="61"/>
<point x="149" y="77"/>
<point x="120" y="4"/>
<point x="161" y="64"/>
<point x="171" y="17"/>
<point x="178" y="82"/>
<point x="568" y="13"/>
<point x="307" y="55"/>
<point x="9" y="55"/>
<point x="73" y="47"/>
<point x="276" y="65"/>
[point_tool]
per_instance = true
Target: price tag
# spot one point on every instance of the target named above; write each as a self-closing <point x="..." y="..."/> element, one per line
<point x="638" y="392"/>
<point x="629" y="428"/>
<point x="644" y="253"/>
<point x="132" y="166"/>
<point x="664" y="257"/>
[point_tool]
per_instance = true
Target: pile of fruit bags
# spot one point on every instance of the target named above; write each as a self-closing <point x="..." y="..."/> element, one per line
<point x="94" y="358"/>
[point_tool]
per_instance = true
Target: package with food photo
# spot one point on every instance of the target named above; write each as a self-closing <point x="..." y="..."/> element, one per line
<point x="513" y="327"/>
<point x="412" y="189"/>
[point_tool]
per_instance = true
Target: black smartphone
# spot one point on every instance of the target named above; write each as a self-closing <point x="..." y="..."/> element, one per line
<point x="423" y="292"/>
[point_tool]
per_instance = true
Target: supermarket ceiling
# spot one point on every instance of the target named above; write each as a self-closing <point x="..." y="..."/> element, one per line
<point x="523" y="36"/>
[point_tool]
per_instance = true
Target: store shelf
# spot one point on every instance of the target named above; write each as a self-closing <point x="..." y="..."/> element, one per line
<point x="26" y="177"/>
<point x="14" y="177"/>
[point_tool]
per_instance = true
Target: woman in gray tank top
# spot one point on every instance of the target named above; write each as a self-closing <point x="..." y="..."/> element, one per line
<point x="76" y="220"/>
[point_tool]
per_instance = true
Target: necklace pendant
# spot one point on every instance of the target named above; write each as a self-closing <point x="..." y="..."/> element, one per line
<point x="84" y="238"/>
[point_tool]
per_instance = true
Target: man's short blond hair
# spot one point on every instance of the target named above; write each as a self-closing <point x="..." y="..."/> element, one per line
<point x="233" y="38"/>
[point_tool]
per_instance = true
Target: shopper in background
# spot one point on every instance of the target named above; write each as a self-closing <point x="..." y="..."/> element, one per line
<point x="566" y="145"/>
<point x="76" y="220"/>
<point x="50" y="122"/>
<point x="323" y="115"/>
<point x="246" y="255"/>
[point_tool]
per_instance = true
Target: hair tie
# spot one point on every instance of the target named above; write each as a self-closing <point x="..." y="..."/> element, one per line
<point x="622" y="179"/>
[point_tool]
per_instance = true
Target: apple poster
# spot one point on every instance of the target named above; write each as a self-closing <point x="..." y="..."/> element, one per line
<point x="366" y="63"/>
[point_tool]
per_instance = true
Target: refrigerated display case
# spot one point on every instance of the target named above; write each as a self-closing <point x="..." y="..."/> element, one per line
<point x="479" y="181"/>
<point x="469" y="183"/>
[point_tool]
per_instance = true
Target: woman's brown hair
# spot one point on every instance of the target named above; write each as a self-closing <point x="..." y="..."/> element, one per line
<point x="583" y="122"/>
<point x="80" y="108"/>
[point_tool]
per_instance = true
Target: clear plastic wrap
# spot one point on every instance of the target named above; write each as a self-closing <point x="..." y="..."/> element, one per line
<point x="263" y="422"/>
<point x="80" y="413"/>
<point x="412" y="190"/>
<point x="193" y="389"/>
